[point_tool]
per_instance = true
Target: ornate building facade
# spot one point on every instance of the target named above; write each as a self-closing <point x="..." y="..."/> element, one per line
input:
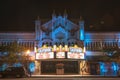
<point x="61" y="46"/>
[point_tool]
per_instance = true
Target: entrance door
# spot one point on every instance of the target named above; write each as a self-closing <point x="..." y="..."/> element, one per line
<point x="50" y="67"/>
<point x="71" y="67"/>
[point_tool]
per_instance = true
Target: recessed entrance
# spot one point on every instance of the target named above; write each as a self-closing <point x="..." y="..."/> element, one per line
<point x="49" y="67"/>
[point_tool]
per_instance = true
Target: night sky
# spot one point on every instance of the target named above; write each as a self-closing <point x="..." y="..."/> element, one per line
<point x="99" y="15"/>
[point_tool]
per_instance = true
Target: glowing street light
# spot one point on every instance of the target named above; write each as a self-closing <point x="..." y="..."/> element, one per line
<point x="28" y="51"/>
<point x="27" y="59"/>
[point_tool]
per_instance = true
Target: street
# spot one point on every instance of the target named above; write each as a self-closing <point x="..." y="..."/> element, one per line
<point x="60" y="78"/>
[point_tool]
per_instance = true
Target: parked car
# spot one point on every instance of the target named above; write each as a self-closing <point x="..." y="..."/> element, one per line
<point x="14" y="72"/>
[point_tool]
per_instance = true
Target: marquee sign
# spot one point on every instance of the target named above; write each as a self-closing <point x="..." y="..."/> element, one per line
<point x="47" y="49"/>
<point x="75" y="53"/>
<point x="45" y="53"/>
<point x="72" y="55"/>
<point x="78" y="50"/>
<point x="60" y="52"/>
<point x="60" y="55"/>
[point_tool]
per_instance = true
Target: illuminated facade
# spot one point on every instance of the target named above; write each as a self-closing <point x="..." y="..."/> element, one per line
<point x="62" y="44"/>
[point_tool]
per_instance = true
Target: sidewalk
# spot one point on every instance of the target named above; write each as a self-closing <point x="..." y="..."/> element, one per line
<point x="77" y="76"/>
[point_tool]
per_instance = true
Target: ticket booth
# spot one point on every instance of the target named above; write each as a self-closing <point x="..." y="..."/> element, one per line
<point x="60" y="69"/>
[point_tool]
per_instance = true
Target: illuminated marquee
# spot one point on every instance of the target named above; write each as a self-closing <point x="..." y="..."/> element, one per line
<point x="72" y="49"/>
<point x="45" y="53"/>
<point x="60" y="55"/>
<point x="49" y="52"/>
<point x="60" y="51"/>
<point x="75" y="53"/>
<point x="42" y="50"/>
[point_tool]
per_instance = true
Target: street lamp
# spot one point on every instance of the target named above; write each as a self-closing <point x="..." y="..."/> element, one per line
<point x="27" y="59"/>
<point x="27" y="53"/>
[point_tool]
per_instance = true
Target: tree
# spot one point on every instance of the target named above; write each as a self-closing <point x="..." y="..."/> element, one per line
<point x="13" y="54"/>
<point x="3" y="52"/>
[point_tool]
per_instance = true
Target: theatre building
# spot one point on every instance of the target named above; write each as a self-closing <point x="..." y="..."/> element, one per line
<point x="61" y="46"/>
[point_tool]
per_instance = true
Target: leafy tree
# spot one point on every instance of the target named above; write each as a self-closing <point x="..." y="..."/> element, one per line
<point x="14" y="53"/>
<point x="3" y="51"/>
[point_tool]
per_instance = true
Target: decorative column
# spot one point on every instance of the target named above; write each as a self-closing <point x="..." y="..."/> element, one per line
<point x="81" y="24"/>
<point x="37" y="67"/>
<point x="54" y="50"/>
<point x="66" y="50"/>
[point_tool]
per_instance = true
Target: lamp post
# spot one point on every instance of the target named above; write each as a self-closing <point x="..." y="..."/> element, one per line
<point x="28" y="51"/>
<point x="27" y="59"/>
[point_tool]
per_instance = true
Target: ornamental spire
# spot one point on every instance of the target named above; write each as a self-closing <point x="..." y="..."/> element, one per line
<point x="53" y="14"/>
<point x="65" y="13"/>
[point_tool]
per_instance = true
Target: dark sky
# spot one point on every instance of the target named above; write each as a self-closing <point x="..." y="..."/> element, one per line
<point x="19" y="15"/>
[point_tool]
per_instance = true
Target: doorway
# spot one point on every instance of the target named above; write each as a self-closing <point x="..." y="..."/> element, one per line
<point x="49" y="67"/>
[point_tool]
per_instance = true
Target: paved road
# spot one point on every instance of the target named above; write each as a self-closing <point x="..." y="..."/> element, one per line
<point x="61" y="79"/>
